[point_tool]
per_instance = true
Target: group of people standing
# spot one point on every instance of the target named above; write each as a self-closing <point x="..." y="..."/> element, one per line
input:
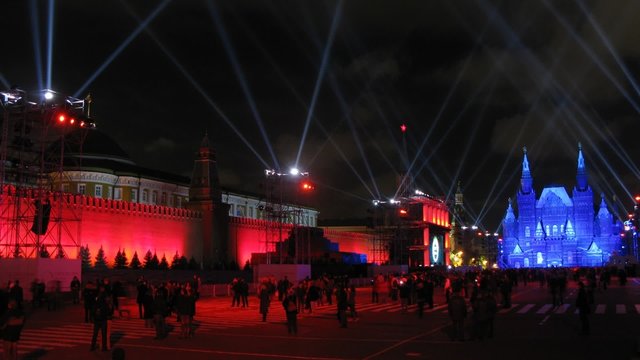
<point x="156" y="302"/>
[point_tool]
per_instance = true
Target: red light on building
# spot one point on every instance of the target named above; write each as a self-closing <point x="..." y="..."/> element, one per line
<point x="307" y="186"/>
<point x="61" y="118"/>
<point x="403" y="212"/>
<point x="72" y="121"/>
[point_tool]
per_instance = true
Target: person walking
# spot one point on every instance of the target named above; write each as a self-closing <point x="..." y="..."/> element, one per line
<point x="75" y="290"/>
<point x="582" y="303"/>
<point x="351" y="301"/>
<point x="265" y="300"/>
<point x="100" y="313"/>
<point x="11" y="327"/>
<point x="341" y="300"/>
<point x="457" y="312"/>
<point x="421" y="296"/>
<point x="290" y="305"/>
<point x="159" y="312"/>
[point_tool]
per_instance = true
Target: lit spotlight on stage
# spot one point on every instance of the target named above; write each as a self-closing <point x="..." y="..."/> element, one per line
<point x="48" y="95"/>
<point x="294" y="171"/>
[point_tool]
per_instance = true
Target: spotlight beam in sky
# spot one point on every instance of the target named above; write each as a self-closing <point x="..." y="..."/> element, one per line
<point x="122" y="46"/>
<point x="50" y="20"/>
<point x="609" y="46"/>
<point x="593" y="56"/>
<point x="235" y="64"/>
<point x="198" y="88"/>
<point x="302" y="102"/>
<point x="323" y="68"/>
<point x="4" y="81"/>
<point x="35" y="34"/>
<point x="467" y="148"/>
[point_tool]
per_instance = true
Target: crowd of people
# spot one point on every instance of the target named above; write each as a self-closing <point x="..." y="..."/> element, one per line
<point x="480" y="292"/>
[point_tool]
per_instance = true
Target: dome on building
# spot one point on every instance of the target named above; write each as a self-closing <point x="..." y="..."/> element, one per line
<point x="91" y="144"/>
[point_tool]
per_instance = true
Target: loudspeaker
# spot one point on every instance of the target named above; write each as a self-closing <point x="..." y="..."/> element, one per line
<point x="41" y="219"/>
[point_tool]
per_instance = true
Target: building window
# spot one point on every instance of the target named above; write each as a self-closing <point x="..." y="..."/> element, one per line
<point x="65" y="188"/>
<point x="145" y="196"/>
<point x="98" y="191"/>
<point x="251" y="212"/>
<point x="163" y="198"/>
<point x="527" y="231"/>
<point x="82" y="189"/>
<point x="134" y="195"/>
<point x="178" y="202"/>
<point x="241" y="211"/>
<point x="154" y="197"/>
<point x="555" y="230"/>
<point x="117" y="193"/>
<point x="546" y="229"/>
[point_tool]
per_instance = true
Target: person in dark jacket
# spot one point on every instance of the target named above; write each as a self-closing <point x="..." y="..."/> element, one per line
<point x="265" y="299"/>
<point x="582" y="303"/>
<point x="457" y="313"/>
<point x="290" y="305"/>
<point x="100" y="315"/>
<point x="11" y="327"/>
<point x="159" y="312"/>
<point x="343" y="305"/>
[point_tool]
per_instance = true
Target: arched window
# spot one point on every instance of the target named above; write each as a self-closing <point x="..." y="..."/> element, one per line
<point x="555" y="230"/>
<point x="527" y="231"/>
<point x="546" y="228"/>
<point x="539" y="258"/>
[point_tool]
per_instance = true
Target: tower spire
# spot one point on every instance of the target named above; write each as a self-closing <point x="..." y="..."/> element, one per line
<point x="581" y="176"/>
<point x="526" y="180"/>
<point x="205" y="184"/>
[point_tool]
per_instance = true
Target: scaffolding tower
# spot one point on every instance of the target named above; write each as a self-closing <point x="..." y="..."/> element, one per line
<point x="37" y="217"/>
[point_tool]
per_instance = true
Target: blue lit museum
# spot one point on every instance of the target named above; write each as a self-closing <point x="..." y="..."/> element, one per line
<point x="556" y="229"/>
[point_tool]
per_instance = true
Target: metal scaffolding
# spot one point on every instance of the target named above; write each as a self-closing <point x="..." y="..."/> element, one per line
<point x="37" y="217"/>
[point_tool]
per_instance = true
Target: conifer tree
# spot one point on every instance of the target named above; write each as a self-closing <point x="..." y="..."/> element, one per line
<point x="44" y="253"/>
<point x="193" y="264"/>
<point x="155" y="262"/>
<point x="184" y="262"/>
<point x="117" y="260"/>
<point x="164" y="265"/>
<point x="147" y="260"/>
<point x="135" y="262"/>
<point x="85" y="257"/>
<point x="101" y="260"/>
<point x="175" y="262"/>
<point x="125" y="260"/>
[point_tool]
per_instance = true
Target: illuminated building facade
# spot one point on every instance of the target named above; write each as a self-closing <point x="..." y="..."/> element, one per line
<point x="556" y="229"/>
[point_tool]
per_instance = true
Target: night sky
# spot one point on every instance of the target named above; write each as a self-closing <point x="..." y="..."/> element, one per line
<point x="474" y="81"/>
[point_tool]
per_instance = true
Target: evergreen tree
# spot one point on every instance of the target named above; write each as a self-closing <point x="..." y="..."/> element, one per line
<point x="175" y="262"/>
<point x="135" y="262"/>
<point x="125" y="260"/>
<point x="43" y="252"/>
<point x="101" y="260"/>
<point x="164" y="265"/>
<point x="193" y="264"/>
<point x="117" y="260"/>
<point x="155" y="262"/>
<point x="85" y="257"/>
<point x="120" y="260"/>
<point x="184" y="262"/>
<point x="60" y="252"/>
<point x="147" y="260"/>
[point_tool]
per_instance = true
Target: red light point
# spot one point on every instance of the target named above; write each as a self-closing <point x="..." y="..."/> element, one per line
<point x="403" y="128"/>
<point x="61" y="118"/>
